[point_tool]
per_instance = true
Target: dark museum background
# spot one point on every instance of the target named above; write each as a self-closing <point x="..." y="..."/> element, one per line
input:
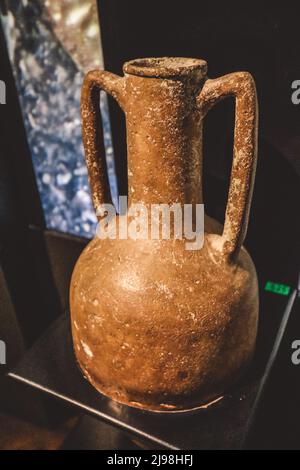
<point x="37" y="253"/>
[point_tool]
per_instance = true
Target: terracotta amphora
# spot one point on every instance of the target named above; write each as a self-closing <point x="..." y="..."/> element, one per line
<point x="155" y="325"/>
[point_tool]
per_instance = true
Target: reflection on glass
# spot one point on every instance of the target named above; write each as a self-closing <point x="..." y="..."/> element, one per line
<point x="51" y="45"/>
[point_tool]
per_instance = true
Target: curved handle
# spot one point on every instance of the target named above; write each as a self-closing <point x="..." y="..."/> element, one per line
<point x="92" y="134"/>
<point x="240" y="85"/>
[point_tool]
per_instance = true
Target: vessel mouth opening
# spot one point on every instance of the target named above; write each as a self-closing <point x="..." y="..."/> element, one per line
<point x="165" y="67"/>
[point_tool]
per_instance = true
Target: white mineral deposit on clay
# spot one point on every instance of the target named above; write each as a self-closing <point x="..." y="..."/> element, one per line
<point x="76" y="326"/>
<point x="86" y="349"/>
<point x="174" y="261"/>
<point x="163" y="288"/>
<point x="192" y="315"/>
<point x="95" y="320"/>
<point x="131" y="283"/>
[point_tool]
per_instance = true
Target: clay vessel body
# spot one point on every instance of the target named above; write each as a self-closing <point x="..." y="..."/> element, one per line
<point x="156" y="325"/>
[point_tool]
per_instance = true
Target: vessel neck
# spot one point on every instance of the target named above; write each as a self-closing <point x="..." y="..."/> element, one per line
<point x="164" y="141"/>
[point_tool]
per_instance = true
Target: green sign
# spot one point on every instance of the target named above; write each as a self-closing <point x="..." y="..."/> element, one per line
<point x="276" y="288"/>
